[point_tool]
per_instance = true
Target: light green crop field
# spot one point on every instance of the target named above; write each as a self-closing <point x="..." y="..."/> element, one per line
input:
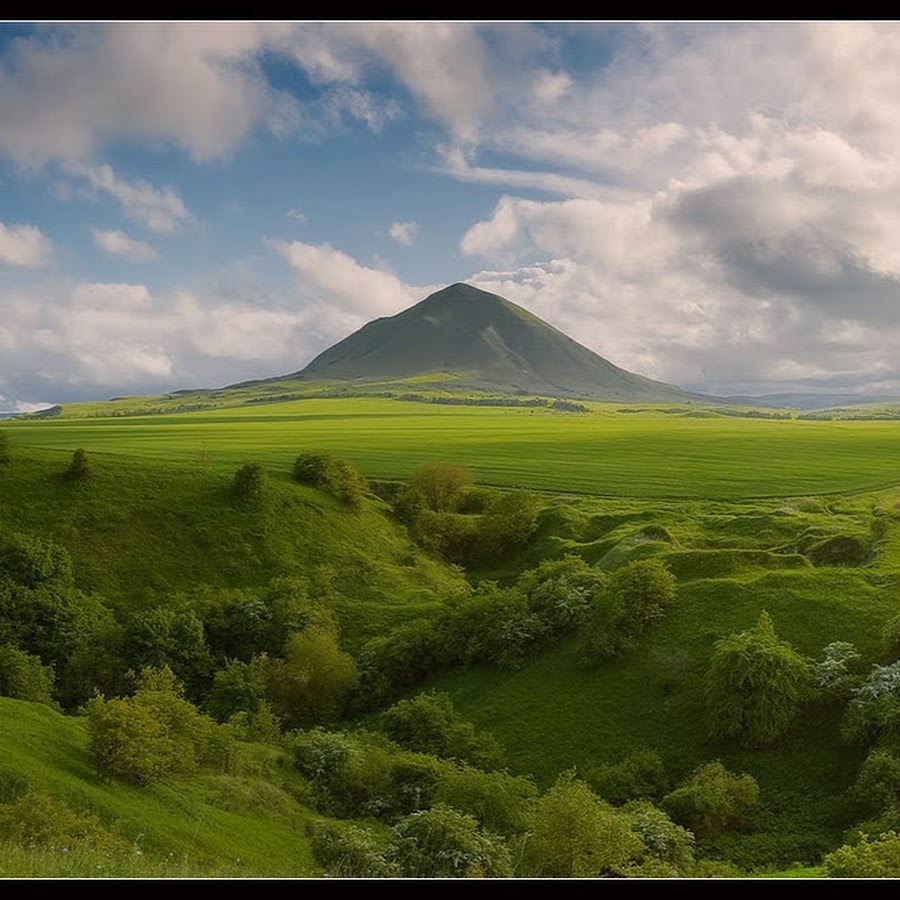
<point x="603" y="453"/>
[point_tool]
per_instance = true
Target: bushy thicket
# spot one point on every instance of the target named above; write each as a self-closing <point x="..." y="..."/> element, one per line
<point x="25" y="677"/>
<point x="80" y="469"/>
<point x="639" y="776"/>
<point x="869" y="858"/>
<point x="332" y="474"/>
<point x="249" y="482"/>
<point x="5" y="448"/>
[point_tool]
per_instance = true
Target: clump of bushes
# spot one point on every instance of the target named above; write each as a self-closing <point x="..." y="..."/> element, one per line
<point x="878" y="858"/>
<point x="332" y="474"/>
<point x="640" y="776"/>
<point x="25" y="677"/>
<point x="5" y="448"/>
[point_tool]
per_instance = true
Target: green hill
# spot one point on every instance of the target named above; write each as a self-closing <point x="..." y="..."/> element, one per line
<point x="475" y="340"/>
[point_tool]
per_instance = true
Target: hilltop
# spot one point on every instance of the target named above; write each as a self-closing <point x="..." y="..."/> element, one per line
<point x="468" y="339"/>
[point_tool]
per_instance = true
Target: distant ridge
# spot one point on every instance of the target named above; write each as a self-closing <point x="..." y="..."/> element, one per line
<point x="467" y="339"/>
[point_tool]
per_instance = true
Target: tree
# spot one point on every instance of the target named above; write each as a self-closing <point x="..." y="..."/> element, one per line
<point x="572" y="833"/>
<point x="333" y="474"/>
<point x="509" y="522"/>
<point x="80" y="469"/>
<point x="25" y="677"/>
<point x="755" y="685"/>
<point x="441" y="484"/>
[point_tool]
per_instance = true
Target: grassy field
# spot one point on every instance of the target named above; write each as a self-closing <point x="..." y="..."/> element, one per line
<point x="604" y="453"/>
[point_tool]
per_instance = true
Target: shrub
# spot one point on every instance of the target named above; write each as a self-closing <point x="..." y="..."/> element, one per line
<point x="248" y="483"/>
<point x="834" y="675"/>
<point x="640" y="776"/>
<point x="33" y="561"/>
<point x="80" y="469"/>
<point x="663" y="840"/>
<point x="563" y="592"/>
<point x="450" y="536"/>
<point x="879" y="858"/>
<point x="25" y="677"/>
<point x="498" y="800"/>
<point x="877" y="787"/>
<point x="332" y="474"/>
<point x="755" y="685"/>
<point x="5" y="448"/>
<point x="312" y="468"/>
<point x="713" y="800"/>
<point x="509" y="522"/>
<point x="346" y="850"/>
<point x="443" y="843"/>
<point x="441" y="484"/>
<point x="429" y="723"/>
<point x="874" y="709"/>
<point x="890" y="638"/>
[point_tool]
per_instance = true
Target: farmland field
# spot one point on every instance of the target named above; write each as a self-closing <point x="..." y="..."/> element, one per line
<point x="603" y="453"/>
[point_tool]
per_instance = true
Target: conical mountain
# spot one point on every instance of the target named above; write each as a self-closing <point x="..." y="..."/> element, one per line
<point x="480" y="341"/>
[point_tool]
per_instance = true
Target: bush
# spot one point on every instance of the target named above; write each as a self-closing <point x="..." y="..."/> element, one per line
<point x="33" y="561"/>
<point x="443" y="843"/>
<point x="874" y="709"/>
<point x="332" y="474"/>
<point x="640" y="776"/>
<point x="835" y="674"/>
<point x="498" y="800"/>
<point x="346" y="850"/>
<point x="441" y="484"/>
<point x="664" y="841"/>
<point x="509" y="522"/>
<point x="877" y="787"/>
<point x="563" y="592"/>
<point x="5" y="448"/>
<point x="25" y="677"/>
<point x="248" y="483"/>
<point x="713" y="800"/>
<point x="450" y="536"/>
<point x="755" y="685"/>
<point x="429" y="723"/>
<point x="80" y="469"/>
<point x="879" y="858"/>
<point x="890" y="639"/>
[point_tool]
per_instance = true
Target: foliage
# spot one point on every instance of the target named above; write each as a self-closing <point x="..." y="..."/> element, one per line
<point x="835" y="674"/>
<point x="443" y="843"/>
<point x="637" y="597"/>
<point x="497" y="799"/>
<point x="663" y="840"/>
<point x="347" y="850"/>
<point x="877" y="787"/>
<point x="249" y="482"/>
<point x="571" y="833"/>
<point x="640" y="776"/>
<point x="312" y="682"/>
<point x="563" y="592"/>
<point x="874" y="710"/>
<point x="80" y="469"/>
<point x="879" y="858"/>
<point x="713" y="800"/>
<point x="429" y="723"/>
<point x="164" y="636"/>
<point x="238" y="687"/>
<point x="448" y="535"/>
<point x="38" y="821"/>
<point x="153" y="734"/>
<point x="5" y="448"/>
<point x="755" y="685"/>
<point x="31" y="561"/>
<point x="333" y="474"/>
<point x="508" y="523"/>
<point x="441" y="484"/>
<point x="24" y="677"/>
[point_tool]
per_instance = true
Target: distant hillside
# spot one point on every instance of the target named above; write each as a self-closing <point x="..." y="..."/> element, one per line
<point x="475" y="340"/>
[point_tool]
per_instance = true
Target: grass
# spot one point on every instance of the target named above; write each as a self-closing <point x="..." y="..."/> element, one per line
<point x="182" y="828"/>
<point x="646" y="454"/>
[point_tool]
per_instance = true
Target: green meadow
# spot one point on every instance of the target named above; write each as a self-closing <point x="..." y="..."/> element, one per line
<point x="652" y="454"/>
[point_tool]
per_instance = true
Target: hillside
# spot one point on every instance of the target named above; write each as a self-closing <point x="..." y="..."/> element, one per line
<point x="475" y="340"/>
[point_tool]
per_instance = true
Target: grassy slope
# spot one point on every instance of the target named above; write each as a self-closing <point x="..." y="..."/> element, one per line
<point x="644" y="454"/>
<point x="140" y="531"/>
<point x="213" y="825"/>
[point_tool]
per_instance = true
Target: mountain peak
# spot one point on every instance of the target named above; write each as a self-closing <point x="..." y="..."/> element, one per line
<point x="483" y="342"/>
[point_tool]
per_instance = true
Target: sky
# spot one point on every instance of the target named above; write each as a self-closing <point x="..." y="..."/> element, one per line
<point x="196" y="204"/>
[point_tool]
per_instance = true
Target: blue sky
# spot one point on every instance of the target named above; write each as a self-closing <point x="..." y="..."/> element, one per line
<point x="195" y="204"/>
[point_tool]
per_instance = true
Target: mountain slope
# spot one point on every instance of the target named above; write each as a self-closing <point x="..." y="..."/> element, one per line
<point x="481" y="341"/>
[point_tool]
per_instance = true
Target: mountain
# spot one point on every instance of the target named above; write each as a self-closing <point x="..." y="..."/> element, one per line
<point x="469" y="339"/>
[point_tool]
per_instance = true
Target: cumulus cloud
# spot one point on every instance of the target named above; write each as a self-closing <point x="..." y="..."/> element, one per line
<point x="403" y="232"/>
<point x="25" y="246"/>
<point x="158" y="209"/>
<point x="117" y="243"/>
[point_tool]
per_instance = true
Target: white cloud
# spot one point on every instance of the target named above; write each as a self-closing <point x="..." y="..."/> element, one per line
<point x="403" y="232"/>
<point x="297" y="215"/>
<point x="25" y="246"/>
<point x="158" y="209"/>
<point x="117" y="243"/>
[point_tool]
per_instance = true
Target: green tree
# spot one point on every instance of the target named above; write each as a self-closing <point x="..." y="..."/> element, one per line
<point x="333" y="474"/>
<point x="572" y="833"/>
<point x="313" y="680"/>
<point x="878" y="858"/>
<point x="25" y="677"/>
<point x="441" y="484"/>
<point x="755" y="685"/>
<point x="509" y="522"/>
<point x="80" y="469"/>
<point x="249" y="482"/>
